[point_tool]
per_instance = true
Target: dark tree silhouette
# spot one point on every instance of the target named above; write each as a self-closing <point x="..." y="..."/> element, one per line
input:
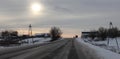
<point x="55" y="33"/>
<point x="113" y="32"/>
<point x="7" y="34"/>
<point x="9" y="37"/>
<point x="102" y="33"/>
<point x="93" y="34"/>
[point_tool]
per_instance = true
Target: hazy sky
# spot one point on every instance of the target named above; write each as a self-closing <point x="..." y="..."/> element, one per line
<point x="72" y="16"/>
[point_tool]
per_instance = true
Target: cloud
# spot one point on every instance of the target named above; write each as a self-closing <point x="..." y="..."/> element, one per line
<point x="72" y="14"/>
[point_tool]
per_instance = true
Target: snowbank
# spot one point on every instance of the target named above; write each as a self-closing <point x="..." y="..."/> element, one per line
<point x="29" y="45"/>
<point x="35" y="40"/>
<point x="112" y="44"/>
<point x="16" y="48"/>
<point x="94" y="52"/>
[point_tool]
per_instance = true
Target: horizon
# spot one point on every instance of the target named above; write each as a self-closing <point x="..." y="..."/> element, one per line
<point x="24" y="31"/>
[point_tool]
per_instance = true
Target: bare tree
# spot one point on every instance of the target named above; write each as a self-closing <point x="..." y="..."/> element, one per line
<point x="9" y="37"/>
<point x="102" y="33"/>
<point x="93" y="34"/>
<point x="7" y="34"/>
<point x="113" y="32"/>
<point x="55" y="33"/>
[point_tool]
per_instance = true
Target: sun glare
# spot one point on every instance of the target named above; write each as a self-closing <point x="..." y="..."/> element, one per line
<point x="36" y="7"/>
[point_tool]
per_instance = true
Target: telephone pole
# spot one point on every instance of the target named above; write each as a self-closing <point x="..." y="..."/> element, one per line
<point x="30" y="32"/>
<point x="111" y="25"/>
<point x="109" y="34"/>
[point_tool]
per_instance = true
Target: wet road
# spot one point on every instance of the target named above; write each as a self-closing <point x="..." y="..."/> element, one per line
<point x="60" y="49"/>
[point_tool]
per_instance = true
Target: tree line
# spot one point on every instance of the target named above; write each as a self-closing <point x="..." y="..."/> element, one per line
<point x="103" y="33"/>
<point x="11" y="37"/>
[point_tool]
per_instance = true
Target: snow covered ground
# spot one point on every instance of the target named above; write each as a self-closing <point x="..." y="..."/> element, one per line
<point x="89" y="48"/>
<point x="112" y="44"/>
<point x="96" y="51"/>
<point x="28" y="42"/>
<point x="35" y="40"/>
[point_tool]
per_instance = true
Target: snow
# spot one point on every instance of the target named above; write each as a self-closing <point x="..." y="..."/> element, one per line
<point x="28" y="42"/>
<point x="97" y="51"/>
<point x="24" y="45"/>
<point x="112" y="44"/>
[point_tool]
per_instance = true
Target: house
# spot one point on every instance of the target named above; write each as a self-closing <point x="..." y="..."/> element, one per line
<point x="87" y="34"/>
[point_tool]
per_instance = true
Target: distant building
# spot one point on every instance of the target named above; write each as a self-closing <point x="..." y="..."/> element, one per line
<point x="87" y="34"/>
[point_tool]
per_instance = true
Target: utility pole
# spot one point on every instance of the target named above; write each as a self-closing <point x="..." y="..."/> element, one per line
<point x="30" y="32"/>
<point x="110" y="27"/>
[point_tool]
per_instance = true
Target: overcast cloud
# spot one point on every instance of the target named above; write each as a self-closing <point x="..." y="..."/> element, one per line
<point x="70" y="15"/>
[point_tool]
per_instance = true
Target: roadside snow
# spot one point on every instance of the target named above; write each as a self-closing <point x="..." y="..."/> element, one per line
<point x="112" y="44"/>
<point x="28" y="42"/>
<point x="24" y="45"/>
<point x="31" y="41"/>
<point x="97" y="51"/>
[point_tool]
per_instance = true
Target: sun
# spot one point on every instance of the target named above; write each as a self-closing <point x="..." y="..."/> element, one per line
<point x="36" y="7"/>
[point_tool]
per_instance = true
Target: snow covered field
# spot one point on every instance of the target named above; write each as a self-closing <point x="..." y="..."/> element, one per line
<point x="95" y="51"/>
<point x="35" y="40"/>
<point x="28" y="42"/>
<point x="112" y="44"/>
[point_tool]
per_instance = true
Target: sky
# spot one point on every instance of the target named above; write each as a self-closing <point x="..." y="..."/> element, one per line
<point x="71" y="16"/>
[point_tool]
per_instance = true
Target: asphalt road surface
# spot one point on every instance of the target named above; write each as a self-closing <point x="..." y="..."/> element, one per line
<point x="60" y="49"/>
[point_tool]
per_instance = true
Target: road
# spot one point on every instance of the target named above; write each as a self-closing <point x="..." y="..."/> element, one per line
<point x="60" y="49"/>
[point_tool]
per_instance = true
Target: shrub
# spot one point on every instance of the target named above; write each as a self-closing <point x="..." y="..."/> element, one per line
<point x="55" y="33"/>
